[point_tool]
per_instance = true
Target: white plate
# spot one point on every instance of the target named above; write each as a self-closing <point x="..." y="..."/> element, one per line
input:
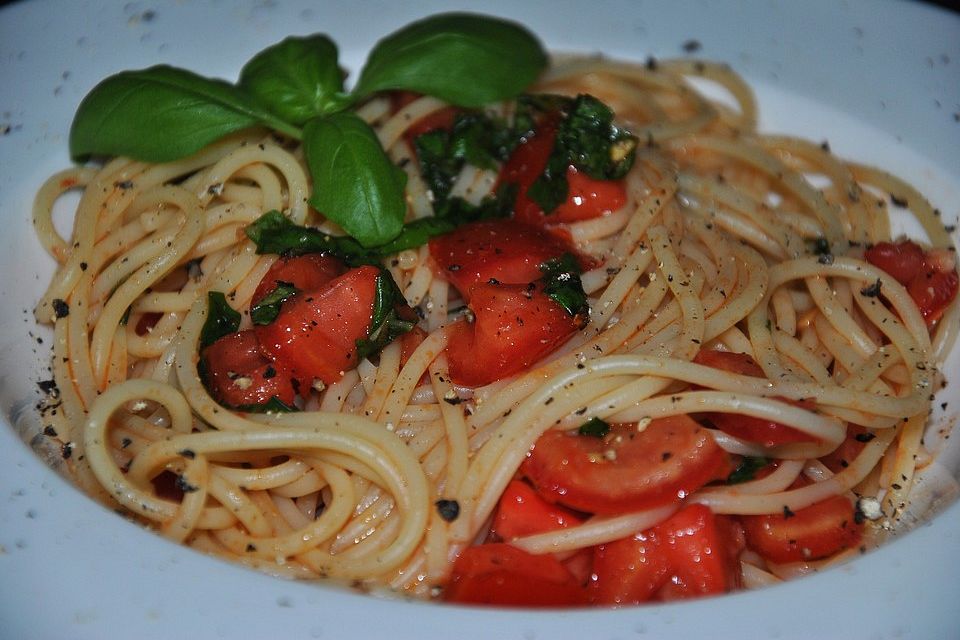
<point x="879" y="80"/>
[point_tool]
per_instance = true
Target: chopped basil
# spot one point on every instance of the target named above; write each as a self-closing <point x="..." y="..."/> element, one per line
<point x="475" y="138"/>
<point x="587" y="139"/>
<point x="222" y="319"/>
<point x="386" y="324"/>
<point x="273" y="405"/>
<point x="267" y="309"/>
<point x="273" y="232"/>
<point x="747" y="469"/>
<point x="594" y="427"/>
<point x="562" y="283"/>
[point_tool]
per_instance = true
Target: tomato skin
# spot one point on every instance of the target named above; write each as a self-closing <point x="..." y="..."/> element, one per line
<point x="933" y="291"/>
<point x="671" y="458"/>
<point x="521" y="512"/>
<point x="841" y="457"/>
<point x="316" y="331"/>
<point x="931" y="281"/>
<point x="902" y="260"/>
<point x="587" y="197"/>
<point x="503" y="575"/>
<point x="765" y="432"/>
<point x="818" y="531"/>
<point x="306" y="273"/>
<point x="507" y="251"/>
<point x="693" y="553"/>
<point x="239" y="373"/>
<point x="514" y="326"/>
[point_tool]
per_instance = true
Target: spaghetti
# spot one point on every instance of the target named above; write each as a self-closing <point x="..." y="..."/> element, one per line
<point x="728" y="240"/>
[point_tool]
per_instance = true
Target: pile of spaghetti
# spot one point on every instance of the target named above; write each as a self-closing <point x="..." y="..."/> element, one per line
<point x="710" y="372"/>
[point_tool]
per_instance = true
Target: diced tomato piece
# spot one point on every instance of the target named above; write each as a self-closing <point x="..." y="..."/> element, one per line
<point x="514" y="326"/>
<point x="929" y="276"/>
<point x="239" y="373"/>
<point x="587" y="197"/>
<point x="316" y="332"/>
<point x="500" y="574"/>
<point x="902" y="260"/>
<point x="841" y="457"/>
<point x="818" y="531"/>
<point x="521" y="512"/>
<point x="933" y="291"/>
<point x="503" y="250"/>
<point x="627" y="470"/>
<point x="693" y="553"/>
<point x="306" y="273"/>
<point x="765" y="432"/>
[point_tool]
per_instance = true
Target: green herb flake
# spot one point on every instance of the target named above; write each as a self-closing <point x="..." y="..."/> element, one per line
<point x="747" y="469"/>
<point x="561" y="277"/>
<point x="268" y="308"/>
<point x="594" y="427"/>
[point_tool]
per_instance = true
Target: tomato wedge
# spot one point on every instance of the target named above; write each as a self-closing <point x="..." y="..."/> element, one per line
<point x="765" y="432"/>
<point x="238" y="373"/>
<point x="693" y="553"/>
<point x="587" y="197"/>
<point x="506" y="251"/>
<point x="521" y="512"/>
<point x="316" y="331"/>
<point x="816" y="532"/>
<point x="929" y="276"/>
<point x="306" y="273"/>
<point x="514" y="326"/>
<point x="627" y="470"/>
<point x="500" y="574"/>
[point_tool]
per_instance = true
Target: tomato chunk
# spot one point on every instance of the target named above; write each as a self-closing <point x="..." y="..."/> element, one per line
<point x="521" y="512"/>
<point x="503" y="250"/>
<point x="587" y="197"/>
<point x="306" y="273"/>
<point x="692" y="553"/>
<point x="239" y="373"/>
<point x="316" y="331"/>
<point x="500" y="574"/>
<point x="902" y="260"/>
<point x="929" y="276"/>
<point x="627" y="470"/>
<point x="765" y="432"/>
<point x="933" y="291"/>
<point x="514" y="326"/>
<point x="818" y="531"/>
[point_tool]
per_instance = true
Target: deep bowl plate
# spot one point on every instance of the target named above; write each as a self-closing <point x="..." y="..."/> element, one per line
<point x="879" y="80"/>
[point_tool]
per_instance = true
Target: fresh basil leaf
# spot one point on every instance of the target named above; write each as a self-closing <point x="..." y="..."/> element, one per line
<point x="162" y="114"/>
<point x="354" y="182"/>
<point x="747" y="469"/>
<point x="268" y="308"/>
<point x="221" y="320"/>
<point x="594" y="427"/>
<point x="297" y="78"/>
<point x="561" y="277"/>
<point x="465" y="59"/>
<point x="273" y="232"/>
<point x="386" y="323"/>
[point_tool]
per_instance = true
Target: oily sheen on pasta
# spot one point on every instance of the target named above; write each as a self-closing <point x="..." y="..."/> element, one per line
<point x="727" y="240"/>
